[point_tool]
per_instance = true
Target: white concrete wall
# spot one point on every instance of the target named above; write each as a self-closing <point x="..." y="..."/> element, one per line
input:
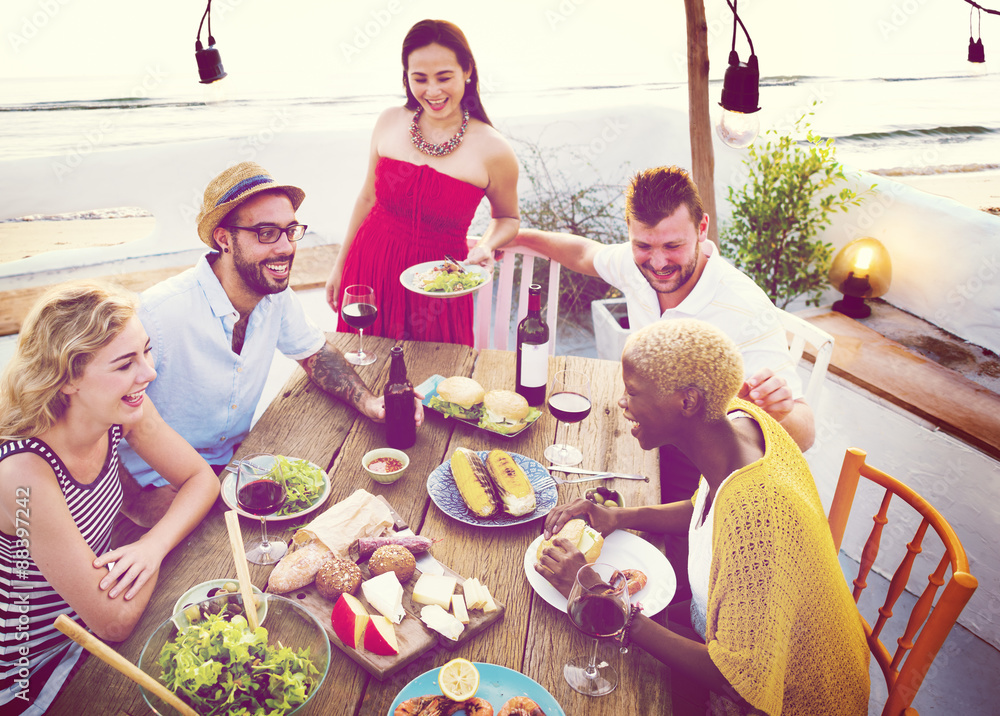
<point x="963" y="484"/>
<point x="945" y="256"/>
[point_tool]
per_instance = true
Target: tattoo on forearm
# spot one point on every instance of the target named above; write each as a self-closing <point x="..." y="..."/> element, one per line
<point x="332" y="373"/>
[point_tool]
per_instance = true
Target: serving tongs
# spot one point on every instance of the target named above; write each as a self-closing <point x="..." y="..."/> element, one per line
<point x="593" y="475"/>
<point x="115" y="660"/>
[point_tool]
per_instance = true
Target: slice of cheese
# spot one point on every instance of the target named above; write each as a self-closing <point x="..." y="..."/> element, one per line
<point x="434" y="589"/>
<point x="385" y="593"/>
<point x="489" y="605"/>
<point x="441" y="621"/>
<point x="473" y="594"/>
<point x="458" y="608"/>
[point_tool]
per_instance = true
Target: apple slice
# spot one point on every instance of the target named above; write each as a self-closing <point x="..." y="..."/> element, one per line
<point x="349" y="620"/>
<point x="380" y="636"/>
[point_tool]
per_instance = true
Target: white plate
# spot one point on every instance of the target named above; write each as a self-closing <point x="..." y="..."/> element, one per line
<point x="622" y="550"/>
<point x="443" y="491"/>
<point x="408" y="279"/>
<point x="497" y="684"/>
<point x="229" y="497"/>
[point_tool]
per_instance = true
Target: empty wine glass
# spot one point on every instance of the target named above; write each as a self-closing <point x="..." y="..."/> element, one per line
<point x="598" y="606"/>
<point x="260" y="490"/>
<point x="358" y="310"/>
<point x="569" y="402"/>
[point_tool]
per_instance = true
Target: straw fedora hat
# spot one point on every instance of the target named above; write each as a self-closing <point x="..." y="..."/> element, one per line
<point x="231" y="188"/>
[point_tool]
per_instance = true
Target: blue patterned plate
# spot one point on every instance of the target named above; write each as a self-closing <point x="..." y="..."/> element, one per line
<point x="442" y="489"/>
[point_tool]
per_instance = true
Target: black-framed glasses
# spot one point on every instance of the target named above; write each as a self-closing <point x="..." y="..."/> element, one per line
<point x="270" y="234"/>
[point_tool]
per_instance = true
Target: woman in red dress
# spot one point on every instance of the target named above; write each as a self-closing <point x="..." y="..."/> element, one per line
<point x="431" y="163"/>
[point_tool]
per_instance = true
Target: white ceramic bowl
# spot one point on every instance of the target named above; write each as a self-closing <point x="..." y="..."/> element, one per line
<point x="386" y="478"/>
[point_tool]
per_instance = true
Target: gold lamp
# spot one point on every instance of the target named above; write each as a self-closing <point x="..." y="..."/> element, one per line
<point x="860" y="270"/>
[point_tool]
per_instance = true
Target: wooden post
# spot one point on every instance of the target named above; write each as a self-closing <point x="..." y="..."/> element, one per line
<point x="702" y="153"/>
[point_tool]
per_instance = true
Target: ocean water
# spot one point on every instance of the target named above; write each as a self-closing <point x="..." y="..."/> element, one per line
<point x="905" y="126"/>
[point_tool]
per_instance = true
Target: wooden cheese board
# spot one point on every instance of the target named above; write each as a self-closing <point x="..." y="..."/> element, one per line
<point x="413" y="636"/>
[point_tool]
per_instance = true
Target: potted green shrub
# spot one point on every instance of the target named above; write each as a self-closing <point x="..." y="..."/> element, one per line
<point x="789" y="197"/>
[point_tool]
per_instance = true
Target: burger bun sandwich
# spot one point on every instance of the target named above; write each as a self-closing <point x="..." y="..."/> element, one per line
<point x="459" y="397"/>
<point x="505" y="411"/>
<point x="582" y="536"/>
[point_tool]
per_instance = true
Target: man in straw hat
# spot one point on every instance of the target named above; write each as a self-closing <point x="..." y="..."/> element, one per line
<point x="213" y="330"/>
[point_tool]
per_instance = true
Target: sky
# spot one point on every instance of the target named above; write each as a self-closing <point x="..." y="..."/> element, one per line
<point x="353" y="45"/>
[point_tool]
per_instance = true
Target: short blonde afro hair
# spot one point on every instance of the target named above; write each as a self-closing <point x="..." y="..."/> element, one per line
<point x="684" y="352"/>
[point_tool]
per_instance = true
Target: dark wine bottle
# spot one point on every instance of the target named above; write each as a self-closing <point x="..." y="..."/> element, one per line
<point x="400" y="423"/>
<point x="533" y="350"/>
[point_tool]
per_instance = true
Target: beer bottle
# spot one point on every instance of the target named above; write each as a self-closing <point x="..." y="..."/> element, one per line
<point x="400" y="423"/>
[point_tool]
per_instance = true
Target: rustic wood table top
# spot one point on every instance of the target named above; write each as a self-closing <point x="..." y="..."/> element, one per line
<point x="533" y="637"/>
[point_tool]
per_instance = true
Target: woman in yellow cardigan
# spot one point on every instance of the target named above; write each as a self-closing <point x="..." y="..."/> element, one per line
<point x="776" y="630"/>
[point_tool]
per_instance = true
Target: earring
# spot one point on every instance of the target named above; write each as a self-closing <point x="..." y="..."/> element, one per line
<point x="225" y="250"/>
<point x="468" y="80"/>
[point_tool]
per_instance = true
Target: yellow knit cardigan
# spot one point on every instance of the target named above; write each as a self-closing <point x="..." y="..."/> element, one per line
<point x="782" y="626"/>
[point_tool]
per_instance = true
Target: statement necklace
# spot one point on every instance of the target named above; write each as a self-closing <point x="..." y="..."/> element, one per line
<point x="437" y="150"/>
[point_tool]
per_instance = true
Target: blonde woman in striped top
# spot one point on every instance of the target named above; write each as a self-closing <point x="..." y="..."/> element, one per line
<point x="74" y="388"/>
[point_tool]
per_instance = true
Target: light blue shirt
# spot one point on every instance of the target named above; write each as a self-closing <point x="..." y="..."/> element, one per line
<point x="204" y="390"/>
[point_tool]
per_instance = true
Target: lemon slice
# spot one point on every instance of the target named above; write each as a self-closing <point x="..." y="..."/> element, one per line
<point x="459" y="680"/>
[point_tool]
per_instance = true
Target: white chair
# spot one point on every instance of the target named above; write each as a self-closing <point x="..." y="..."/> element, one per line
<point x="803" y="332"/>
<point x="491" y="321"/>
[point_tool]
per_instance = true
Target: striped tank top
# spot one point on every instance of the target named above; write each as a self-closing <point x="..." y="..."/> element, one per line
<point x="28" y="604"/>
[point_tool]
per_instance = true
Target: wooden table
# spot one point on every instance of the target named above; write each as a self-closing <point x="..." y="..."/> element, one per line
<point x="533" y="637"/>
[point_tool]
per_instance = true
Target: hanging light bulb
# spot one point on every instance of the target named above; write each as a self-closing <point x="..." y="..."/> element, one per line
<point x="977" y="53"/>
<point x="209" y="60"/>
<point x="738" y="124"/>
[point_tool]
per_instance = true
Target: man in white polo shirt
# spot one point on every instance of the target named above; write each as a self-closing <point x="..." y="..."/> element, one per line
<point x="669" y="269"/>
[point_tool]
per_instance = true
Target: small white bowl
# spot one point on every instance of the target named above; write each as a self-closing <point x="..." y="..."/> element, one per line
<point x="386" y="478"/>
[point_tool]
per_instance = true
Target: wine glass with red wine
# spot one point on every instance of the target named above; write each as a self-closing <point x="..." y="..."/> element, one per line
<point x="260" y="490"/>
<point x="569" y="402"/>
<point x="598" y="606"/>
<point x="358" y="310"/>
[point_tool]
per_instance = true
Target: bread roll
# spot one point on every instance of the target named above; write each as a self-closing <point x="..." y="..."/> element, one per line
<point x="338" y="576"/>
<point x="393" y="558"/>
<point x="461" y="391"/>
<point x="507" y="404"/>
<point x="584" y="537"/>
<point x="298" y="568"/>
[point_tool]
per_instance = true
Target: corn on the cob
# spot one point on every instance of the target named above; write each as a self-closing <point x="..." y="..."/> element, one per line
<point x="474" y="483"/>
<point x="512" y="485"/>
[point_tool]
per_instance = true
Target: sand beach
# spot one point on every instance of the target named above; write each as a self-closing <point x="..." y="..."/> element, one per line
<point x="22" y="239"/>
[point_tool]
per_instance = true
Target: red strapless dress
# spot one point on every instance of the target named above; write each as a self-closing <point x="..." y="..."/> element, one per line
<point x="419" y="215"/>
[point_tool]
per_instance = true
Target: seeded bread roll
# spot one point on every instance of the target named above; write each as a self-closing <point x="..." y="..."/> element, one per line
<point x="393" y="558"/>
<point x="338" y="576"/>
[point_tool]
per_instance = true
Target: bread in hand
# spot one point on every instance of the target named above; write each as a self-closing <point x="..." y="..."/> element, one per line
<point x="584" y="537"/>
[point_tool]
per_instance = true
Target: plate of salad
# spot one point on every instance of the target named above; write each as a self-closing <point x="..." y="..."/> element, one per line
<point x="306" y="488"/>
<point x="444" y="279"/>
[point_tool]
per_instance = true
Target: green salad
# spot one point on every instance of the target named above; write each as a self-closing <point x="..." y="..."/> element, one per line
<point x="221" y="667"/>
<point x="303" y="484"/>
<point x="446" y="282"/>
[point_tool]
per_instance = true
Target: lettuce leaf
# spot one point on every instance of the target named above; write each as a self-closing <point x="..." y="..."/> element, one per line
<point x="454" y="410"/>
<point x="451" y="282"/>
<point x="503" y="426"/>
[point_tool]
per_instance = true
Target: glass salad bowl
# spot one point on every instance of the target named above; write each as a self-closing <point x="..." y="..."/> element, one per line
<point x="207" y="663"/>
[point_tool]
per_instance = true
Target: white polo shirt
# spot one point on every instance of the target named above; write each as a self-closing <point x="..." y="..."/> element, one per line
<point x="724" y="296"/>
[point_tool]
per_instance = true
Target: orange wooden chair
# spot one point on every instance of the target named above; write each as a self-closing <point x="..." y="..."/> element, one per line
<point x="905" y="669"/>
